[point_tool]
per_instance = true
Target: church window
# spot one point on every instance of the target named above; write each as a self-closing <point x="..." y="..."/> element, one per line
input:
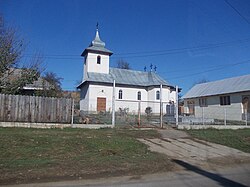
<point x="139" y="95"/>
<point x="98" y="59"/>
<point x="157" y="95"/>
<point x="120" y="94"/>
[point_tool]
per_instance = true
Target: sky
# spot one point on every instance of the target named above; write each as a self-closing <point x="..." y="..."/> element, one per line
<point x="187" y="40"/>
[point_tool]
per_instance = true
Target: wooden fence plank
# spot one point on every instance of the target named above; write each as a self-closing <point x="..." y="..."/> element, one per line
<point x="20" y="108"/>
<point x="1" y="107"/>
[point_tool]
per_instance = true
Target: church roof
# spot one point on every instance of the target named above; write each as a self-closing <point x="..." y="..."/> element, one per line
<point x="126" y="77"/>
<point x="97" y="45"/>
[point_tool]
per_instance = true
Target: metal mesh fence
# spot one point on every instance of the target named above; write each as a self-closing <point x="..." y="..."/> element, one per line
<point x="91" y="116"/>
<point x="144" y="113"/>
<point x="127" y="113"/>
<point x="216" y="115"/>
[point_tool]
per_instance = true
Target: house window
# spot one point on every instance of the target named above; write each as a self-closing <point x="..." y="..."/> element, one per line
<point x="203" y="102"/>
<point x="98" y="59"/>
<point x="225" y="100"/>
<point x="157" y="95"/>
<point x="139" y="95"/>
<point x="120" y="94"/>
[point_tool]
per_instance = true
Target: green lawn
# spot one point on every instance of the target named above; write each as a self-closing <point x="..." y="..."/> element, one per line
<point x="31" y="155"/>
<point x="239" y="139"/>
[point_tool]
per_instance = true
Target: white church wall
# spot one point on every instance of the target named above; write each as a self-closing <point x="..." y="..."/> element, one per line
<point x="84" y="98"/>
<point x="129" y="98"/>
<point x="167" y="97"/>
<point x="92" y="66"/>
<point x="172" y="96"/>
<point x="100" y="91"/>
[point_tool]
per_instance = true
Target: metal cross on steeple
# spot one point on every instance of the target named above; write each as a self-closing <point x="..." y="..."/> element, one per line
<point x="151" y="67"/>
<point x="97" y="26"/>
<point x="155" y="68"/>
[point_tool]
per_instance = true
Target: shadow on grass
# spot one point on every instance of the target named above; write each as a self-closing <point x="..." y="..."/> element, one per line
<point x="222" y="181"/>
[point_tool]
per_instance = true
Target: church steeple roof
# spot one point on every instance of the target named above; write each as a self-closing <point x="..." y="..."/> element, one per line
<point x="97" y="41"/>
<point x="97" y="45"/>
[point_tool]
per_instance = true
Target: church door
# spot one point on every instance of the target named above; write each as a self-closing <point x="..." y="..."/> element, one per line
<point x="101" y="104"/>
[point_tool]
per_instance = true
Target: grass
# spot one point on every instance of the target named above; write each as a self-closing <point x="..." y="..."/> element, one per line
<point x="238" y="139"/>
<point x="31" y="155"/>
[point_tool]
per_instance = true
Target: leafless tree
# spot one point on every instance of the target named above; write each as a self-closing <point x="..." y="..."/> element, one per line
<point x="51" y="85"/>
<point x="203" y="80"/>
<point x="12" y="47"/>
<point x="122" y="64"/>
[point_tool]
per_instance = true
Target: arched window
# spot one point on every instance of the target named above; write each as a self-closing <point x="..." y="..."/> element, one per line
<point x="120" y="94"/>
<point x="139" y="95"/>
<point x="98" y="59"/>
<point x="157" y="95"/>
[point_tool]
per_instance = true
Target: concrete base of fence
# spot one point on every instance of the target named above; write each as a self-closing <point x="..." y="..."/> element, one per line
<point x="53" y="125"/>
<point x="233" y="127"/>
<point x="34" y="125"/>
<point x="91" y="126"/>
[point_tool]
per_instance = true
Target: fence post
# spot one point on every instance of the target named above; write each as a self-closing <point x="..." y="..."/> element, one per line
<point x="161" y="109"/>
<point x="225" y="116"/>
<point x="113" y="105"/>
<point x="203" y="123"/>
<point x="72" y="112"/>
<point x="246" y="117"/>
<point x="177" y="109"/>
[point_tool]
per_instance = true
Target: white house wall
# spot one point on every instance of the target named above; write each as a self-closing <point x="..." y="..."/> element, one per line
<point x="217" y="111"/>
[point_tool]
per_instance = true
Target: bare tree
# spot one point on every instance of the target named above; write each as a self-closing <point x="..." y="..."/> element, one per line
<point x="11" y="51"/>
<point x="51" y="85"/>
<point x="203" y="80"/>
<point x="122" y="64"/>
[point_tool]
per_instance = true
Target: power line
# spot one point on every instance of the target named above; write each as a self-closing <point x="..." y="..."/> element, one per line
<point x="229" y="4"/>
<point x="210" y="70"/>
<point x="149" y="53"/>
<point x="200" y="47"/>
<point x="223" y="66"/>
<point x="174" y="71"/>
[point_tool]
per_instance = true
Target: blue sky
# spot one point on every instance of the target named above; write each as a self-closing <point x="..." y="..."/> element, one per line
<point x="188" y="40"/>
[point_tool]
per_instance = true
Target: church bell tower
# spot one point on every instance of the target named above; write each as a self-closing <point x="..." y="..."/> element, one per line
<point x="96" y="57"/>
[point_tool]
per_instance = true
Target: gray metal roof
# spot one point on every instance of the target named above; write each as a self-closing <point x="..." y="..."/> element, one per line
<point x="225" y="86"/>
<point x="40" y="83"/>
<point x="97" y="45"/>
<point x="126" y="77"/>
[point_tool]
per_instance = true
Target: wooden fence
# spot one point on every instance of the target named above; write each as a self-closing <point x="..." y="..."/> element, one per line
<point x="19" y="108"/>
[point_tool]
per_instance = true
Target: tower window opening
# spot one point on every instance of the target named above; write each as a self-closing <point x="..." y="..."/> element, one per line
<point x="98" y="59"/>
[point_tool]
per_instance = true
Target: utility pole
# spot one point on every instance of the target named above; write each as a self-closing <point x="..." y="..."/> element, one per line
<point x="139" y="113"/>
<point x="113" y="105"/>
<point x="177" y="109"/>
<point x="72" y="112"/>
<point x="161" y="107"/>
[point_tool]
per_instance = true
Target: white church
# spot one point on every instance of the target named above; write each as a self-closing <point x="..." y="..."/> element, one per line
<point x="131" y="87"/>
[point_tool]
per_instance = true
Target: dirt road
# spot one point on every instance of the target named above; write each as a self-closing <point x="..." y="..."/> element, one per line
<point x="178" y="145"/>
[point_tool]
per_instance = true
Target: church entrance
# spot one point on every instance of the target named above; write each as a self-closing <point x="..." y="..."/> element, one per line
<point x="101" y="104"/>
